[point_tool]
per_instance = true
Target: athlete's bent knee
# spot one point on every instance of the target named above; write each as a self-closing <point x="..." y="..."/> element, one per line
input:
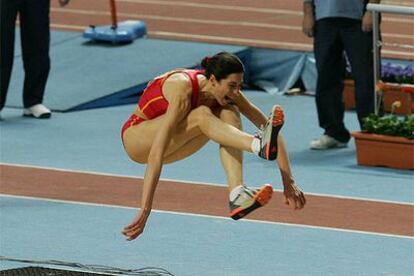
<point x="201" y="113"/>
<point x="202" y="110"/>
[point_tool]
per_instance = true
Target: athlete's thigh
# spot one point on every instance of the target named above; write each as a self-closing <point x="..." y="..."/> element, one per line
<point x="138" y="139"/>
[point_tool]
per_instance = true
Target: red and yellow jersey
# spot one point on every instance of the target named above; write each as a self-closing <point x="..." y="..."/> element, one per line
<point x="152" y="102"/>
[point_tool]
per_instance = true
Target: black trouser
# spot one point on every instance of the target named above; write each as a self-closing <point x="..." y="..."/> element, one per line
<point x="333" y="36"/>
<point x="35" y="40"/>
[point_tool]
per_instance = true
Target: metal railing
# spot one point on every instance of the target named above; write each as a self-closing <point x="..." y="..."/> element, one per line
<point x="376" y="9"/>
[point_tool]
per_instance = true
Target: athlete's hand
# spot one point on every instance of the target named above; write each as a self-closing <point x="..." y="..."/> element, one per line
<point x="294" y="195"/>
<point x="137" y="226"/>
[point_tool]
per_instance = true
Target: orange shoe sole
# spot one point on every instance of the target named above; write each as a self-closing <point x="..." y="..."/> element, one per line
<point x="278" y="116"/>
<point x="260" y="199"/>
<point x="278" y="119"/>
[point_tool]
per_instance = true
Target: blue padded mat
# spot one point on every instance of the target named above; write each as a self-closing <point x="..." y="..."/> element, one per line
<point x="126" y="31"/>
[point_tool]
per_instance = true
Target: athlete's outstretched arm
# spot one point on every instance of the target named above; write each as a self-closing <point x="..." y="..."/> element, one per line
<point x="179" y="105"/>
<point x="291" y="191"/>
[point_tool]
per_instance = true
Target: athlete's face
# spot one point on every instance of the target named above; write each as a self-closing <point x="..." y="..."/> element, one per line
<point x="227" y="89"/>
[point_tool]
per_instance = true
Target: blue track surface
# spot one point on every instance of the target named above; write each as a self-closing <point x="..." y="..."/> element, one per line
<point x="193" y="245"/>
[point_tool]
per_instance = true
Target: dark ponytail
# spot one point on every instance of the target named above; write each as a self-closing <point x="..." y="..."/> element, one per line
<point x="221" y="65"/>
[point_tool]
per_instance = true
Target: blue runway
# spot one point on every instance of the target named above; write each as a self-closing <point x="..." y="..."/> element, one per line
<point x="191" y="244"/>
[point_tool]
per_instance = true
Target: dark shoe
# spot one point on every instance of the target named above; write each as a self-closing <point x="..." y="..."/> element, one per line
<point x="268" y="137"/>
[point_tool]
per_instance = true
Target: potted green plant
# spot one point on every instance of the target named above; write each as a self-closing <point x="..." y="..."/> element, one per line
<point x="387" y="141"/>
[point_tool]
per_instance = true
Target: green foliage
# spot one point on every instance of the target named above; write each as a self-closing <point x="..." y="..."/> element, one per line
<point x="390" y="125"/>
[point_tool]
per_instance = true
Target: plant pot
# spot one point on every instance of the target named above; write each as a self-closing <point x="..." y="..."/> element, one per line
<point x="392" y="92"/>
<point x="383" y="150"/>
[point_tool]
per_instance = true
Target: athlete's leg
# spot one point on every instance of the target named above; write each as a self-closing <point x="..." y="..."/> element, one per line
<point x="190" y="135"/>
<point x="232" y="158"/>
<point x="186" y="139"/>
<point x="187" y="149"/>
<point x="201" y="124"/>
<point x="242" y="200"/>
<point x="222" y="132"/>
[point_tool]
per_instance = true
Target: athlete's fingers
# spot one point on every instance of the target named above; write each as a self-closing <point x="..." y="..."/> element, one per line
<point x="134" y="228"/>
<point x="130" y="227"/>
<point x="301" y="200"/>
<point x="297" y="203"/>
<point x="286" y="200"/>
<point x="135" y="234"/>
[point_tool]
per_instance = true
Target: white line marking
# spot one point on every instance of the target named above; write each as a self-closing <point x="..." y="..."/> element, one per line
<point x="215" y="6"/>
<point x="197" y="182"/>
<point x="395" y="2"/>
<point x="212" y="217"/>
<point x="231" y="39"/>
<point x="386" y="18"/>
<point x="68" y="27"/>
<point x="179" y="19"/>
<point x="229" y="7"/>
<point x="288" y="45"/>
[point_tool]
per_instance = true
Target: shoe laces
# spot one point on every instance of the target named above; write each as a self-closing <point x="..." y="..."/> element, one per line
<point x="245" y="195"/>
<point x="259" y="133"/>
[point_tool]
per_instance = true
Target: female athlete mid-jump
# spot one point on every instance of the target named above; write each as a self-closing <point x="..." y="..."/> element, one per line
<point x="180" y="111"/>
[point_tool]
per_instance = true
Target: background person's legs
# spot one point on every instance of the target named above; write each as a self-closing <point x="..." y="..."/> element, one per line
<point x="35" y="35"/>
<point x="330" y="66"/>
<point x="8" y="14"/>
<point x="358" y="46"/>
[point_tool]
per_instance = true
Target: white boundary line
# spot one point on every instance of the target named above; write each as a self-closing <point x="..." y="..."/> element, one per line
<point x="211" y="217"/>
<point x="394" y="2"/>
<point x="230" y="7"/>
<point x="214" y="6"/>
<point x="287" y="45"/>
<point x="232" y="39"/>
<point x="197" y="182"/>
<point x="178" y="19"/>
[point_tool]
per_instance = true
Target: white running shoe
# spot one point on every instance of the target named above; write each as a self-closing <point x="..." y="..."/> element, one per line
<point x="249" y="200"/>
<point x="38" y="111"/>
<point x="326" y="142"/>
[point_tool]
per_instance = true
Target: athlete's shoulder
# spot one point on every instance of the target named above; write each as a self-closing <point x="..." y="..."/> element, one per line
<point x="178" y="81"/>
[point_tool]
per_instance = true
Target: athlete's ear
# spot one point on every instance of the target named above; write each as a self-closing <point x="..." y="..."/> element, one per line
<point x="213" y="80"/>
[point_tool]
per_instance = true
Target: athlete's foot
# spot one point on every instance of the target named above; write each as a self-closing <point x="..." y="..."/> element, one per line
<point x="249" y="200"/>
<point x="268" y="137"/>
